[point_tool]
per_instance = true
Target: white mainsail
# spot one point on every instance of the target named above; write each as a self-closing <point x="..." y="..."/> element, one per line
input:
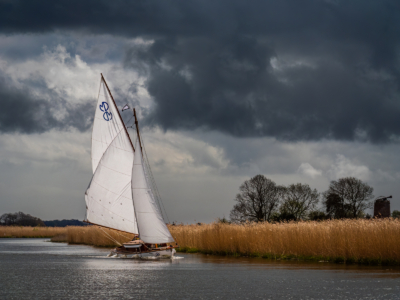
<point x="109" y="197"/>
<point x="152" y="228"/>
<point x="119" y="195"/>
<point x="106" y="125"/>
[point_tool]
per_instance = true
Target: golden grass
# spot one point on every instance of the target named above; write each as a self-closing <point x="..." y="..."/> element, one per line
<point x="96" y="236"/>
<point x="362" y="241"/>
<point x="30" y="232"/>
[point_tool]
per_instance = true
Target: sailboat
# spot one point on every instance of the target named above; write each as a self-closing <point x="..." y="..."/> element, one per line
<point x="121" y="193"/>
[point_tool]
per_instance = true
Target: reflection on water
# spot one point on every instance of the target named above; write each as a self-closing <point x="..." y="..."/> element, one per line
<point x="38" y="269"/>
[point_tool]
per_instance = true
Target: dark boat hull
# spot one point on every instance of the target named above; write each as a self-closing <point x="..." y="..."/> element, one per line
<point x="143" y="250"/>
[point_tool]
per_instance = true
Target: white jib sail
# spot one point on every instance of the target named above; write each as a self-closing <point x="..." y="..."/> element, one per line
<point x="106" y="125"/>
<point x="109" y="195"/>
<point x="152" y="227"/>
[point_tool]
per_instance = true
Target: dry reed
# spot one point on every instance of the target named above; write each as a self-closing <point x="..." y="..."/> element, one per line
<point x="30" y="232"/>
<point x="362" y="241"/>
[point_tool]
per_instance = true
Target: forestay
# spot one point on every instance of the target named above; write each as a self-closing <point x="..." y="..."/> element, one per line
<point x="151" y="225"/>
<point x="106" y="125"/>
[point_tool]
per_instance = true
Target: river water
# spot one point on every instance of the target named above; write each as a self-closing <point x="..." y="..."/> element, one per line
<point x="39" y="269"/>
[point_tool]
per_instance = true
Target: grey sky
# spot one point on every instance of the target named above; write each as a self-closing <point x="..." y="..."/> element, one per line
<point x="301" y="91"/>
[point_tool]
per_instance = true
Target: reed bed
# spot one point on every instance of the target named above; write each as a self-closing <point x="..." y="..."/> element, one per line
<point x="352" y="241"/>
<point x="30" y="232"/>
<point x="96" y="236"/>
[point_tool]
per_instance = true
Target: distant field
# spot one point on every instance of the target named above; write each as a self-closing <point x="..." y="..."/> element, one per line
<point x="30" y="232"/>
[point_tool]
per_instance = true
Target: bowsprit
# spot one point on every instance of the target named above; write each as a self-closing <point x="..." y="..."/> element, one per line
<point x="107" y="115"/>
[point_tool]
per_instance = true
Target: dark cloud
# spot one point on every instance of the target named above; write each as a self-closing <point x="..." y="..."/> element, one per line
<point x="232" y="85"/>
<point x="295" y="70"/>
<point x="306" y="71"/>
<point x="22" y="111"/>
<point x="367" y="20"/>
<point x="91" y="48"/>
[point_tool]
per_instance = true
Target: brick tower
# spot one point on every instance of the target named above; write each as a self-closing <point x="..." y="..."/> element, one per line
<point x="382" y="207"/>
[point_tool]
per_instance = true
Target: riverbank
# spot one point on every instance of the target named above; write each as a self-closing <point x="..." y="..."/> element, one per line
<point x="340" y="241"/>
<point x="85" y="235"/>
<point x="371" y="242"/>
<point x="30" y="232"/>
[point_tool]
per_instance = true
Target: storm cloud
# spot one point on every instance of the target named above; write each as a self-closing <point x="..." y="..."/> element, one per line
<point x="23" y="112"/>
<point x="243" y="87"/>
<point x="293" y="70"/>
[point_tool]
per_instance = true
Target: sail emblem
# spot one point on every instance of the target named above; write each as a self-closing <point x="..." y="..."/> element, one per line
<point x="104" y="107"/>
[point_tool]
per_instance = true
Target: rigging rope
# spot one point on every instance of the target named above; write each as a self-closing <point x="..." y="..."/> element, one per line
<point x="128" y="122"/>
<point x="127" y="237"/>
<point x="110" y="237"/>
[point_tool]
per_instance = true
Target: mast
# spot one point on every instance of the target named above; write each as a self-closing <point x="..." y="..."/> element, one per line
<point x="137" y="130"/>
<point x="112" y="98"/>
<point x="141" y="150"/>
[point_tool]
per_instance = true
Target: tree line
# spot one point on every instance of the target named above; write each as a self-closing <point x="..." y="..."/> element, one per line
<point x="20" y="219"/>
<point x="261" y="200"/>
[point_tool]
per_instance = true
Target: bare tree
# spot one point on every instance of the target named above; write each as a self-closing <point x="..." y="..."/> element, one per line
<point x="259" y="197"/>
<point x="298" y="200"/>
<point x="348" y="197"/>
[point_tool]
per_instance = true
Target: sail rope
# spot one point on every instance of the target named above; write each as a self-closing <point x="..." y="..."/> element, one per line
<point x="128" y="122"/>
<point x="110" y="237"/>
<point x="153" y="183"/>
<point x="120" y="234"/>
